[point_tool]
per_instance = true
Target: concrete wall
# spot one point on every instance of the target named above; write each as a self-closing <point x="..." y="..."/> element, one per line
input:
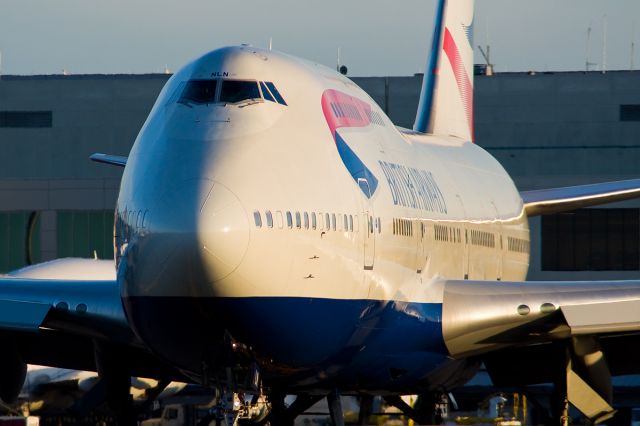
<point x="559" y="129"/>
<point x="549" y="129"/>
<point x="47" y="169"/>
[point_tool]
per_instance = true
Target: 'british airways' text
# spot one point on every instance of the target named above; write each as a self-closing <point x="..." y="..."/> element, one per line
<point x="413" y="188"/>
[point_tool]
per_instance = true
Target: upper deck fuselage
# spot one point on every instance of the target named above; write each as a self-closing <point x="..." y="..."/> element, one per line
<point x="304" y="223"/>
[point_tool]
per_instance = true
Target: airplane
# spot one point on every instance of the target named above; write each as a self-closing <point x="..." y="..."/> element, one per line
<point x="58" y="390"/>
<point x="276" y="234"/>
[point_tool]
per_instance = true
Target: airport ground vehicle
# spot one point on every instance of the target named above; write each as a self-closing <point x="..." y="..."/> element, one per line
<point x="174" y="415"/>
<point x="19" y="421"/>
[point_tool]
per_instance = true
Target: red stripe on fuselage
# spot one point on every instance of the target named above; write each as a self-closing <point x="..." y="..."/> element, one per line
<point x="462" y="77"/>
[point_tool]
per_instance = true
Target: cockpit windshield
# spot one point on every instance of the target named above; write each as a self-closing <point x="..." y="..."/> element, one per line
<point x="238" y="90"/>
<point x="199" y="92"/>
<point x="227" y="92"/>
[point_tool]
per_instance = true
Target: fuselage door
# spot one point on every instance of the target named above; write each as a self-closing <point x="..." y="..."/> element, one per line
<point x="368" y="223"/>
<point x="421" y="252"/>
<point x="498" y="243"/>
<point x="465" y="243"/>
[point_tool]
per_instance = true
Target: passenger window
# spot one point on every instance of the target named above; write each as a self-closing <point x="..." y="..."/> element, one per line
<point x="237" y="91"/>
<point x="265" y="93"/>
<point x="269" y="219"/>
<point x="279" y="219"/>
<point x="327" y="222"/>
<point x="298" y="222"/>
<point x="351" y="223"/>
<point x="333" y="221"/>
<point x="313" y="220"/>
<point x="289" y="220"/>
<point x="258" y="219"/>
<point x="346" y="223"/>
<point x="199" y="92"/>
<point x="379" y="226"/>
<point x="275" y="93"/>
<point x="306" y="220"/>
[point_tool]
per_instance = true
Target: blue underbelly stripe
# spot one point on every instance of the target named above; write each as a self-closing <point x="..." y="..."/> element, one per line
<point x="358" y="342"/>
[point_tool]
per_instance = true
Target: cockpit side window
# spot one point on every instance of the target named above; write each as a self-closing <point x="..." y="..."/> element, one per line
<point x="237" y="91"/>
<point x="265" y="92"/>
<point x="199" y="92"/>
<point x="275" y="93"/>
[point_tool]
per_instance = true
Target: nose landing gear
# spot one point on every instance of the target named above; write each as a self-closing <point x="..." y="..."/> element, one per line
<point x="240" y="399"/>
<point x="237" y="408"/>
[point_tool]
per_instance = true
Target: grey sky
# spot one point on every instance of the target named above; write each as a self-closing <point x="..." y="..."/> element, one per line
<point x="376" y="37"/>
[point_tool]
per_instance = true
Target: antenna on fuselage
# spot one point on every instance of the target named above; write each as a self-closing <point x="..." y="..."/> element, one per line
<point x="342" y="69"/>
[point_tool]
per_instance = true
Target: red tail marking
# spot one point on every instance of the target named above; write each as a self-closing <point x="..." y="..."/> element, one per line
<point x="461" y="75"/>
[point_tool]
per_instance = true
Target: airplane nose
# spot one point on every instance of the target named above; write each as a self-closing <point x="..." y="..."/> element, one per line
<point x="195" y="235"/>
<point x="223" y="232"/>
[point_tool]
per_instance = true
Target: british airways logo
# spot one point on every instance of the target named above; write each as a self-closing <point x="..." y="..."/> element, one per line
<point x="342" y="110"/>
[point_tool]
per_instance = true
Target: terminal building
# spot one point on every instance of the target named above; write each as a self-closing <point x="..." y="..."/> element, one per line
<point x="547" y="130"/>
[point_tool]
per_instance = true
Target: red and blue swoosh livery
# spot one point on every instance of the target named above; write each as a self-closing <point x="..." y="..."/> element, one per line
<point x="342" y="110"/>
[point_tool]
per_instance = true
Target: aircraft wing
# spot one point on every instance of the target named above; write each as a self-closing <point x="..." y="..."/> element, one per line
<point x="69" y="323"/>
<point x="484" y="316"/>
<point x="575" y="334"/>
<point x="554" y="200"/>
<point x="71" y="295"/>
<point x="90" y="308"/>
<point x="114" y="160"/>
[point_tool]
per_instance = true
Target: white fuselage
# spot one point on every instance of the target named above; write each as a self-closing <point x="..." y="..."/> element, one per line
<point x="209" y="188"/>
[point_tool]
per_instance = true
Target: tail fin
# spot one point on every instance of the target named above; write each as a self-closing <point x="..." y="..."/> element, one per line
<point x="446" y="99"/>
